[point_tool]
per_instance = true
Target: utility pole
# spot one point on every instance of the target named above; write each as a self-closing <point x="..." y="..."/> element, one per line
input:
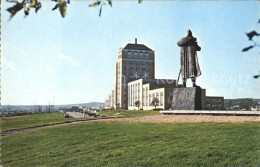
<point x="54" y="103"/>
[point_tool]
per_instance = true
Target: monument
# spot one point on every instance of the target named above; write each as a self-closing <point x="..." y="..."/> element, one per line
<point x="188" y="98"/>
<point x="189" y="60"/>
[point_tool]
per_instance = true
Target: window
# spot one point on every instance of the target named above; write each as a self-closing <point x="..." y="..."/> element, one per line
<point x="129" y="55"/>
<point x="141" y="55"/>
<point x="161" y="98"/>
<point x="135" y="55"/>
<point x="147" y="55"/>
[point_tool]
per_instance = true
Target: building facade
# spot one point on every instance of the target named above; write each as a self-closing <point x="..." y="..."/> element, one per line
<point x="134" y="61"/>
<point x="214" y="103"/>
<point x="145" y="90"/>
<point x="110" y="100"/>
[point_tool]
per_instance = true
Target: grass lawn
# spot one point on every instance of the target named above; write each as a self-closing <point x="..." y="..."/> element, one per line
<point x="25" y="121"/>
<point x="128" y="113"/>
<point x="135" y="144"/>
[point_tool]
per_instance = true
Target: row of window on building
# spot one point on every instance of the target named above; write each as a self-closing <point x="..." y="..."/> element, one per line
<point x="137" y="55"/>
<point x="136" y="66"/>
<point x="134" y="95"/>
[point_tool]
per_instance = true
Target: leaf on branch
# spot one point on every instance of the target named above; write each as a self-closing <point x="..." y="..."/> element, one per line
<point x="95" y="4"/>
<point x="55" y="7"/>
<point x="256" y="76"/>
<point x="100" y="11"/>
<point x="16" y="8"/>
<point x="62" y="5"/>
<point x="247" y="48"/>
<point x="26" y="9"/>
<point x="140" y="1"/>
<point x="26" y="5"/>
<point x="252" y="34"/>
<point x="63" y="9"/>
<point x="109" y="2"/>
<point x="35" y="4"/>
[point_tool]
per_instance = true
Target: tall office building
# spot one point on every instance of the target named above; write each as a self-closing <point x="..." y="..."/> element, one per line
<point x="134" y="61"/>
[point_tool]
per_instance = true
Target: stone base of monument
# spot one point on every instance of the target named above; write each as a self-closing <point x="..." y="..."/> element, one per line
<point x="187" y="98"/>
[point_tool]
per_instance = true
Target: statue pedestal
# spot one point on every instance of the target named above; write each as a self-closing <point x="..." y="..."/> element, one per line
<point x="187" y="98"/>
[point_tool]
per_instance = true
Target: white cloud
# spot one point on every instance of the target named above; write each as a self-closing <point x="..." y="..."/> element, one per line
<point x="7" y="64"/>
<point x="67" y="58"/>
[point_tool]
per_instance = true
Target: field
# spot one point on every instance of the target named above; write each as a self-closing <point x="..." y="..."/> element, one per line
<point x="135" y="144"/>
<point x="25" y="121"/>
<point x="128" y="113"/>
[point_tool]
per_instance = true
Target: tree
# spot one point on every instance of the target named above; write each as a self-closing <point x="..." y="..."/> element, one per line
<point x="229" y="104"/>
<point x="242" y="104"/>
<point x="155" y="102"/>
<point x="215" y="105"/>
<point x="137" y="104"/>
<point x="117" y="105"/>
<point x="61" y="4"/>
<point x="39" y="108"/>
<point x="250" y="104"/>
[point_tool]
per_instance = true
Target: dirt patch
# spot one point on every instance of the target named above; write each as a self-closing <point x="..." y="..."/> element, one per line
<point x="189" y="118"/>
<point x="156" y="118"/>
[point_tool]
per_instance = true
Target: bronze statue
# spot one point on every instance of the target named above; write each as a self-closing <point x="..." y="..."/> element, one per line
<point x="189" y="60"/>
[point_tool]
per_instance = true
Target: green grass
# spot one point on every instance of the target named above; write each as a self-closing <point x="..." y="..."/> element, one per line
<point x="135" y="144"/>
<point x="128" y="113"/>
<point x="25" y="121"/>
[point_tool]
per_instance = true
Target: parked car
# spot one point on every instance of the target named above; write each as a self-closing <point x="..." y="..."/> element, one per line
<point x="96" y="115"/>
<point x="66" y="115"/>
<point x="91" y="114"/>
<point x="103" y="116"/>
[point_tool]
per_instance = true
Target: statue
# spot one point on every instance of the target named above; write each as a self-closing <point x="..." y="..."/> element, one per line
<point x="189" y="60"/>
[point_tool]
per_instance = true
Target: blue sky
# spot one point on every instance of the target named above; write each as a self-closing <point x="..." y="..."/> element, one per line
<point x="72" y="58"/>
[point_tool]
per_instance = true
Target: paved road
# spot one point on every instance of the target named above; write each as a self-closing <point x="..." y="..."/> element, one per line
<point x="76" y="114"/>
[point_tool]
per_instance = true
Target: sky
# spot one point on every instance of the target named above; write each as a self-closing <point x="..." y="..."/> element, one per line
<point x="47" y="59"/>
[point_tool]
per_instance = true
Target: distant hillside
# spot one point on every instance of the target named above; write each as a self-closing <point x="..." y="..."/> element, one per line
<point x="91" y="104"/>
<point x="45" y="107"/>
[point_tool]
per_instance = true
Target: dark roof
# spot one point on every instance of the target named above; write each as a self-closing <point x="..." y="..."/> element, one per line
<point x="137" y="47"/>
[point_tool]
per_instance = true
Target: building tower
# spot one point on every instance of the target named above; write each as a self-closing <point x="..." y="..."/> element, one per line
<point x="135" y="61"/>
